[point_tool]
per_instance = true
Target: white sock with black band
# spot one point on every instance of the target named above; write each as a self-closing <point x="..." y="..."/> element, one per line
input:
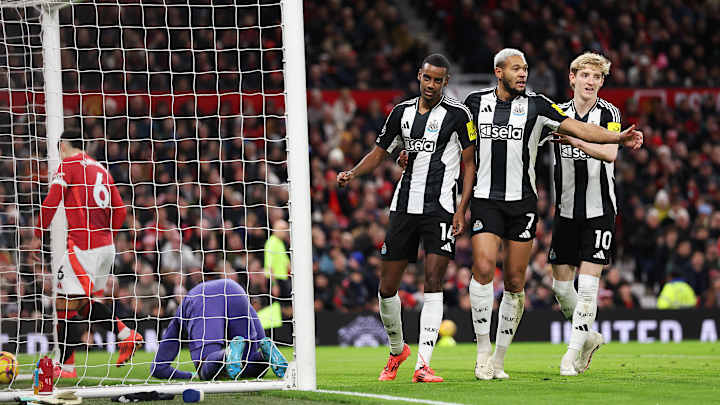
<point x="510" y="313"/>
<point x="430" y="319"/>
<point x="566" y="296"/>
<point x="390" y="313"/>
<point x="481" y="302"/>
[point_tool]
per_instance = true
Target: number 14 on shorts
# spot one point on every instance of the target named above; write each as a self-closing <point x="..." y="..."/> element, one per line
<point x="446" y="232"/>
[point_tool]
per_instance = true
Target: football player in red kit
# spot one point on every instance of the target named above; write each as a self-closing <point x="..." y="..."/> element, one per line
<point x="95" y="212"/>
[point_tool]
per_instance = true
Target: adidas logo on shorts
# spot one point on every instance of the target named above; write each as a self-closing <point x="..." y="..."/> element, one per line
<point x="525" y="235"/>
<point x="446" y="247"/>
<point x="599" y="255"/>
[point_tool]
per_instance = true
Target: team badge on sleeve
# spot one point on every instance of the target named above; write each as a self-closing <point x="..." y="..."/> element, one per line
<point x="614" y="126"/>
<point x="558" y="109"/>
<point x="59" y="178"/>
<point x="472" y="131"/>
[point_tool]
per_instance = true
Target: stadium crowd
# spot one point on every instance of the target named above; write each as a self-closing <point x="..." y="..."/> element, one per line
<point x="651" y="43"/>
<point x="208" y="193"/>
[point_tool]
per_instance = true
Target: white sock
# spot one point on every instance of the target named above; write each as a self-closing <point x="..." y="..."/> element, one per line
<point x="566" y="296"/>
<point x="392" y="320"/>
<point x="510" y="313"/>
<point x="585" y="311"/>
<point x="430" y="319"/>
<point x="123" y="333"/>
<point x="481" y="302"/>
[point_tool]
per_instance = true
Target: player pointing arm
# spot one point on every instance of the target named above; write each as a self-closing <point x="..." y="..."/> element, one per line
<point x="510" y="124"/>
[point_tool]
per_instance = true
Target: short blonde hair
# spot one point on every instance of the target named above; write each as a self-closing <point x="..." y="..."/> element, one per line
<point x="591" y="60"/>
<point x="503" y="55"/>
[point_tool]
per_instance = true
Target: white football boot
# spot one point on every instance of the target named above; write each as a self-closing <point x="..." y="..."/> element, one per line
<point x="567" y="366"/>
<point x="484" y="369"/>
<point x="500" y="374"/>
<point x="592" y="343"/>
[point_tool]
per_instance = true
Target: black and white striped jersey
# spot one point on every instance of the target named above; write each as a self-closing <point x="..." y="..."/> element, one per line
<point x="434" y="142"/>
<point x="585" y="186"/>
<point x="506" y="148"/>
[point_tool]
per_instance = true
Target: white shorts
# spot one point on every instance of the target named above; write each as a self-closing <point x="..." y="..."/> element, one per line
<point x="85" y="272"/>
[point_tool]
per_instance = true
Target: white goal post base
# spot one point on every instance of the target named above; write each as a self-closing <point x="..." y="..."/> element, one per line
<point x="210" y="387"/>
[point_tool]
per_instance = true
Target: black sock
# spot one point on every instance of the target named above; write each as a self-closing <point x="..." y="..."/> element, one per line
<point x="69" y="336"/>
<point x="101" y="315"/>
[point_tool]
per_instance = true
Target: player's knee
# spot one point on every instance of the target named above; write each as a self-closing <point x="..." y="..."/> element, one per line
<point x="483" y="269"/>
<point x="515" y="284"/>
<point x="387" y="291"/>
<point x="433" y="284"/>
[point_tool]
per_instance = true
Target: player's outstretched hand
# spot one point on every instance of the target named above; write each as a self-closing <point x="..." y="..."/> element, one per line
<point x="564" y="139"/>
<point x="35" y="248"/>
<point x="402" y="159"/>
<point x="631" y="138"/>
<point x="458" y="223"/>
<point x="343" y="178"/>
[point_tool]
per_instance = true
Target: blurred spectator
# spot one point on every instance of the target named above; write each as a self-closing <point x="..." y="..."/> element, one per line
<point x="712" y="295"/>
<point x="149" y="292"/>
<point x="176" y="257"/>
<point x="624" y="297"/>
<point x="355" y="294"/>
<point x="605" y="299"/>
<point x="324" y="294"/>
<point x="542" y="298"/>
<point x="543" y="79"/>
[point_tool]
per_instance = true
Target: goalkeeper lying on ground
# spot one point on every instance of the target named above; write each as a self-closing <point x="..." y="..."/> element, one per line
<point x="213" y="313"/>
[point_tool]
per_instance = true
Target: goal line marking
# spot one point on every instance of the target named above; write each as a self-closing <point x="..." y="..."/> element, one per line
<point x="386" y="397"/>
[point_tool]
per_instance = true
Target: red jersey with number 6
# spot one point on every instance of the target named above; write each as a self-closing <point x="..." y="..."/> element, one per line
<point x="93" y="206"/>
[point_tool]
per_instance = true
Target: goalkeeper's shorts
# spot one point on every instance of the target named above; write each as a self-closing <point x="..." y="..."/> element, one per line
<point x="85" y="272"/>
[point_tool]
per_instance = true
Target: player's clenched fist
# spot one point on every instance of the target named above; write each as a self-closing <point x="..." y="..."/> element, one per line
<point x="344" y="178"/>
<point x="631" y="138"/>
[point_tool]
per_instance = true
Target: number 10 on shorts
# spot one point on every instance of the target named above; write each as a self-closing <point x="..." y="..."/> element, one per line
<point x="603" y="239"/>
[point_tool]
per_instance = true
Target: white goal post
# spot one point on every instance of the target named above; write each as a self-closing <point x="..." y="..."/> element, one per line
<point x="274" y="149"/>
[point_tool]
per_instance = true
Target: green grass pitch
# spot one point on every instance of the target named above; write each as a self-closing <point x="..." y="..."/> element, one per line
<point x="633" y="373"/>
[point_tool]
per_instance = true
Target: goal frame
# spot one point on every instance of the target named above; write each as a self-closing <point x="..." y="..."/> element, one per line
<point x="301" y="373"/>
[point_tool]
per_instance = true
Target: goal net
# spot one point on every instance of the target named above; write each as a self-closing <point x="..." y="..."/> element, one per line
<point x="189" y="104"/>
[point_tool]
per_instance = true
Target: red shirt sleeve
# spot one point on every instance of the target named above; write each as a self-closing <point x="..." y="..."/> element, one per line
<point x="118" y="210"/>
<point x="52" y="200"/>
